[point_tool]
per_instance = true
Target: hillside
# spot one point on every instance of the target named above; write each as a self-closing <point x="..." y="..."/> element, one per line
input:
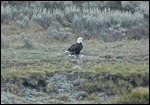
<point x="114" y="62"/>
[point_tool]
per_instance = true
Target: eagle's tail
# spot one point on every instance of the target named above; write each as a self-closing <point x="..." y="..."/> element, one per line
<point x="66" y="52"/>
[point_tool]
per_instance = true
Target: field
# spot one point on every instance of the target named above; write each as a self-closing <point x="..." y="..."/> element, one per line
<point x="36" y="70"/>
<point x="52" y="74"/>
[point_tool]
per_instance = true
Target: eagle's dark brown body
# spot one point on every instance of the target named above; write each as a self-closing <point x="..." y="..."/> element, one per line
<point x="75" y="48"/>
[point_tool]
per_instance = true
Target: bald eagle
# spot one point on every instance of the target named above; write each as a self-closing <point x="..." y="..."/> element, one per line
<point x="75" y="48"/>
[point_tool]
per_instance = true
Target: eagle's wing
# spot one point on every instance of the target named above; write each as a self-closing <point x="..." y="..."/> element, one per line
<point x="73" y="48"/>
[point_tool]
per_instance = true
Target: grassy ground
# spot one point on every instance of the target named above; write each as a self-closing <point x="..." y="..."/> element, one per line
<point x="128" y="58"/>
<point x="121" y="57"/>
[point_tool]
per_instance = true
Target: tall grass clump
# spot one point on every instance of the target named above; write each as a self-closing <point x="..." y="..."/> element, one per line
<point x="138" y="95"/>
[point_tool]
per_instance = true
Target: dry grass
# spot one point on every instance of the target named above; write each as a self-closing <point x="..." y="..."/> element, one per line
<point x="123" y="57"/>
<point x="138" y="95"/>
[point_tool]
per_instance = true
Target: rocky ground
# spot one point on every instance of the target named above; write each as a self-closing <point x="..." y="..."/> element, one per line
<point x="59" y="87"/>
<point x="63" y="87"/>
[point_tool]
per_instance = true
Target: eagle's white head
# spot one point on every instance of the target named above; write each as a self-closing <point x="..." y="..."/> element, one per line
<point x="79" y="40"/>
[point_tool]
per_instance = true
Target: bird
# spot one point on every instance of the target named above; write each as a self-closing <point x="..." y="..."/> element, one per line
<point x="75" y="48"/>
